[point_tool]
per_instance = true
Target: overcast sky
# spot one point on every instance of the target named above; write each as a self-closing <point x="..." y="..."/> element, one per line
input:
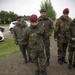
<point x="28" y="7"/>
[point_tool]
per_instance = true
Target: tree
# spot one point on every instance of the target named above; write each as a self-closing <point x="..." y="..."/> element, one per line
<point x="26" y="17"/>
<point x="0" y="21"/>
<point x="12" y="15"/>
<point x="46" y="4"/>
<point x="7" y="17"/>
<point x="9" y="20"/>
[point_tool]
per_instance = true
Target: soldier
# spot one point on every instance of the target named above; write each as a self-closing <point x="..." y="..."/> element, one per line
<point x="71" y="48"/>
<point x="34" y="36"/>
<point x="18" y="32"/>
<point x="60" y="35"/>
<point x="47" y="23"/>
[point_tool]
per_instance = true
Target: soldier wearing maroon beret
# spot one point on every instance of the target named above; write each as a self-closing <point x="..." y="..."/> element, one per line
<point x="34" y="36"/>
<point x="60" y="35"/>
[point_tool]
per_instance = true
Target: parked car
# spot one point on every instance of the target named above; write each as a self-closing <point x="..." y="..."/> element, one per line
<point x="1" y="29"/>
<point x="1" y="36"/>
<point x="28" y="23"/>
<point x="12" y="24"/>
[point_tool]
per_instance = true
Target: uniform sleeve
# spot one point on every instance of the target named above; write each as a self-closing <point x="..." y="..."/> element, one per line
<point x="69" y="35"/>
<point x="25" y="35"/>
<point x="56" y="30"/>
<point x="15" y="36"/>
<point x="51" y="28"/>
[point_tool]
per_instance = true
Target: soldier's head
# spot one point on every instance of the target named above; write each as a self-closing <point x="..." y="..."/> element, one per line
<point x="43" y="12"/>
<point x="34" y="19"/>
<point x="74" y="20"/>
<point x="65" y="12"/>
<point x="19" y="19"/>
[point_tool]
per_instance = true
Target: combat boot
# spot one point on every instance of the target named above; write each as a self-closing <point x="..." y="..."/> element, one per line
<point x="30" y="60"/>
<point x="37" y="72"/>
<point x="64" y="60"/>
<point x="74" y="64"/>
<point x="25" y="60"/>
<point x="60" y="61"/>
<point x="44" y="73"/>
<point x="47" y="62"/>
<point x="70" y="64"/>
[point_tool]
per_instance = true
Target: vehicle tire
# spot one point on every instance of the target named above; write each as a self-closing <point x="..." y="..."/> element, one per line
<point x="1" y="39"/>
<point x="11" y="31"/>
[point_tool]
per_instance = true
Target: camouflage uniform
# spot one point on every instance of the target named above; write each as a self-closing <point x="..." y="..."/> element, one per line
<point x="34" y="36"/>
<point x="60" y="34"/>
<point x="18" y="32"/>
<point x="48" y="26"/>
<point x="71" y="44"/>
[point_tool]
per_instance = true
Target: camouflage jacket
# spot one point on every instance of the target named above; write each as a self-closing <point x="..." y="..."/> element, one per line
<point x="72" y="33"/>
<point x="34" y="36"/>
<point x="61" y="27"/>
<point x="47" y="24"/>
<point x="18" y="32"/>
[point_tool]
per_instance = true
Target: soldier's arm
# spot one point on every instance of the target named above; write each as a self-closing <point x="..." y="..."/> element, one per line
<point x="67" y="31"/>
<point x="15" y="36"/>
<point x="51" y="26"/>
<point x="71" y="36"/>
<point x="25" y="36"/>
<point x="56" y="29"/>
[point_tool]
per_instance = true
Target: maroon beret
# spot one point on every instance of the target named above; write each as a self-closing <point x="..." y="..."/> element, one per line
<point x="66" y="11"/>
<point x="33" y="18"/>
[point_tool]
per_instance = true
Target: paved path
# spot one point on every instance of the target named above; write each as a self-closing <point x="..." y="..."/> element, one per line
<point x="14" y="65"/>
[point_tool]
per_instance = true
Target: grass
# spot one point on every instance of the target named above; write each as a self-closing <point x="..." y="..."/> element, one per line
<point x="8" y="47"/>
<point x="4" y="24"/>
<point x="52" y="36"/>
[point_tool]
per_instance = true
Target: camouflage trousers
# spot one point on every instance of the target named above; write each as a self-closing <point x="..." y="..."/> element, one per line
<point x="71" y="51"/>
<point x="47" y="47"/>
<point x="24" y="49"/>
<point x="62" y="49"/>
<point x="38" y="58"/>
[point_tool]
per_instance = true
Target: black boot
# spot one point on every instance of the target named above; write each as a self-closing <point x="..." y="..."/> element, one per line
<point x="30" y="59"/>
<point x="64" y="60"/>
<point x="44" y="73"/>
<point x="47" y="62"/>
<point x="60" y="61"/>
<point x="70" y="64"/>
<point x="25" y="60"/>
<point x="37" y="72"/>
<point x="74" y="64"/>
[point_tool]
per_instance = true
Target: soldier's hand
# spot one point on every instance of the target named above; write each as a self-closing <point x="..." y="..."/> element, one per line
<point x="55" y="40"/>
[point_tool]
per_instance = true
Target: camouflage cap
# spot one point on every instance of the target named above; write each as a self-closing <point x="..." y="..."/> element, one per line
<point x="19" y="18"/>
<point x="42" y="10"/>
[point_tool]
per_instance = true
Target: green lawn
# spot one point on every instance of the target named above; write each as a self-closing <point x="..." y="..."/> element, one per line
<point x="8" y="47"/>
<point x="4" y="24"/>
<point x="52" y="36"/>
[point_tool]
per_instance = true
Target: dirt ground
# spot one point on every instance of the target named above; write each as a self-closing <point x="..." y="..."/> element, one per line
<point x="14" y="64"/>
